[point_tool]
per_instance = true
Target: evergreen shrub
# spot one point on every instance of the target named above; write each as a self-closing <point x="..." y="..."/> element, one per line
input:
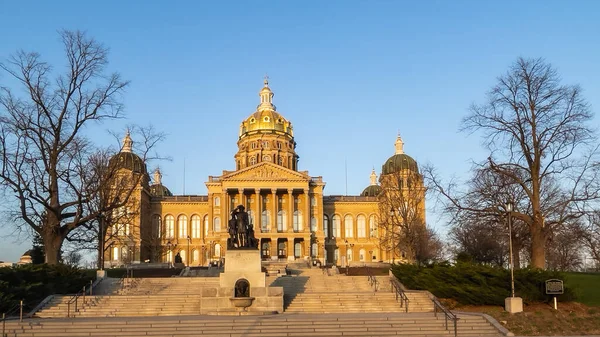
<point x="474" y="284"/>
<point x="32" y="283"/>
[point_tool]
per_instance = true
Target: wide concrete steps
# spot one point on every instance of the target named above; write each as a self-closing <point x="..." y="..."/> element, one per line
<point x="254" y="326"/>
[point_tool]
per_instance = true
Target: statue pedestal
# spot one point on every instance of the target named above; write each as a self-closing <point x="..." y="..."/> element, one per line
<point x="242" y="264"/>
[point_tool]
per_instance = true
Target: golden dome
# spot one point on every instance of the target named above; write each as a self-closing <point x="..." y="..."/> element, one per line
<point x="266" y="118"/>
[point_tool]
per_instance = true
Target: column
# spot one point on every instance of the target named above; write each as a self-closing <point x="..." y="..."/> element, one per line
<point x="290" y="217"/>
<point x="274" y="248"/>
<point x="256" y="211"/>
<point x="274" y="211"/>
<point x="307" y="212"/>
<point x="290" y="247"/>
<point x="211" y="215"/>
<point x="241" y="197"/>
<point x="224" y="210"/>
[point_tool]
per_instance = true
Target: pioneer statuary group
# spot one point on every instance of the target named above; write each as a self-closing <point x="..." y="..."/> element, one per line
<point x="241" y="231"/>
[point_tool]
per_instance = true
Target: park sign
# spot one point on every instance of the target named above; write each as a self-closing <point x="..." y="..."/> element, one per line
<point x="554" y="287"/>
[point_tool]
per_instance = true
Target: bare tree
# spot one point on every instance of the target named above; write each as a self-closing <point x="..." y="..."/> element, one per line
<point x="478" y="216"/>
<point x="564" y="250"/>
<point x="539" y="139"/>
<point x="402" y="209"/>
<point x="47" y="163"/>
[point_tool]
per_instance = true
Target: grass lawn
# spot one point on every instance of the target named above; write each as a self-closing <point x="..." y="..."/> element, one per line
<point x="587" y="287"/>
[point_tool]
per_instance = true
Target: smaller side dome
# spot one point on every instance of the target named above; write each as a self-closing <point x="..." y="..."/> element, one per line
<point x="157" y="189"/>
<point x="371" y="191"/>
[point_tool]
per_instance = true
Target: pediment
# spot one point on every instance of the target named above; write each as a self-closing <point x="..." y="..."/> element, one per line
<point x="265" y="171"/>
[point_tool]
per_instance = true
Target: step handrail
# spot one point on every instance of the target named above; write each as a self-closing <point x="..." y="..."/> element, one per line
<point x="448" y="315"/>
<point x="397" y="289"/>
<point x="75" y="298"/>
<point x="373" y="282"/>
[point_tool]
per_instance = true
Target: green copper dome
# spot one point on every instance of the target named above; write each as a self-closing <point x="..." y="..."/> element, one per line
<point x="399" y="162"/>
<point x="371" y="191"/>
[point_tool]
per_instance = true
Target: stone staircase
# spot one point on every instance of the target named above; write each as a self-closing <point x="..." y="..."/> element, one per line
<point x="315" y="291"/>
<point x="315" y="303"/>
<point x="145" y="297"/>
<point x="390" y="324"/>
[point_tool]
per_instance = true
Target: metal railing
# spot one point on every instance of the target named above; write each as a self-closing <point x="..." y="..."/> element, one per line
<point x="397" y="289"/>
<point x="373" y="282"/>
<point x="6" y="315"/>
<point x="75" y="299"/>
<point x="448" y="315"/>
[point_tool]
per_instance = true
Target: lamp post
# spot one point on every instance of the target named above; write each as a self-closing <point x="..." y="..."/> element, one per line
<point x="512" y="304"/>
<point x="101" y="240"/>
<point x="391" y="234"/>
<point x="169" y="253"/>
<point x="509" y="208"/>
<point x="188" y="251"/>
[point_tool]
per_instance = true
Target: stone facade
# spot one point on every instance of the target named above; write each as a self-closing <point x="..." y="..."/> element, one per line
<point x="292" y="217"/>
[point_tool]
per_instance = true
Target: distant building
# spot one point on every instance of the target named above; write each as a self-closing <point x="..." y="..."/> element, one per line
<point x="6" y="264"/>
<point x="25" y="258"/>
<point x="292" y="217"/>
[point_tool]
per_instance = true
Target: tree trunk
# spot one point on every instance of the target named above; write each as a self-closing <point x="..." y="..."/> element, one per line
<point x="538" y="247"/>
<point x="52" y="245"/>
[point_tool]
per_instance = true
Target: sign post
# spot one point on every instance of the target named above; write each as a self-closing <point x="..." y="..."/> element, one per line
<point x="554" y="287"/>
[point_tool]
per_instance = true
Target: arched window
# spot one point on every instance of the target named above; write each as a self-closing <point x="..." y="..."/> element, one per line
<point x="157" y="225"/>
<point x="336" y="256"/>
<point x="314" y="250"/>
<point x="372" y="226"/>
<point x="361" y="226"/>
<point x="281" y="221"/>
<point x="217" y="250"/>
<point x="169" y="227"/>
<point x="297" y="224"/>
<point x="206" y="225"/>
<point x="115" y="253"/>
<point x="326" y="226"/>
<point x="124" y="253"/>
<point x="169" y="256"/>
<point x="183" y="257"/>
<point x="252" y="159"/>
<point x="196" y="229"/>
<point x="217" y="201"/>
<point x="349" y="226"/>
<point x="362" y="255"/>
<point x="217" y="224"/>
<point x="349" y="254"/>
<point x="182" y="223"/>
<point x="265" y="221"/>
<point x="336" y="229"/>
<point x="313" y="224"/>
<point x="251" y="217"/>
<point x="297" y="250"/>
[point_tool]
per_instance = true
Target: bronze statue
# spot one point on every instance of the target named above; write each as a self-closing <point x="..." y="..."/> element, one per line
<point x="232" y="229"/>
<point x="241" y="231"/>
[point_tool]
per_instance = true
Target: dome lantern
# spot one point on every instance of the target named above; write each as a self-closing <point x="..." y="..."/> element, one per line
<point x="127" y="143"/>
<point x="266" y="97"/>
<point x="399" y="144"/>
<point x="373" y="177"/>
<point x="157" y="176"/>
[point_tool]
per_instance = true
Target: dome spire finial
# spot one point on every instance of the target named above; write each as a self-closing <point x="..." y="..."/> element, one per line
<point x="399" y="144"/>
<point x="266" y="80"/>
<point x="127" y="143"/>
<point x="373" y="177"/>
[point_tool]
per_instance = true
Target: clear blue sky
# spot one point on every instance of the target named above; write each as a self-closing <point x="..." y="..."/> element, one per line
<point x="348" y="74"/>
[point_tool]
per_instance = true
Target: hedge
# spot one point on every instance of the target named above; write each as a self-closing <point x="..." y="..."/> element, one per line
<point x="473" y="284"/>
<point x="32" y="283"/>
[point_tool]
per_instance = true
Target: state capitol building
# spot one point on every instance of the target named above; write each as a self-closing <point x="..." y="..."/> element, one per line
<point x="292" y="217"/>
